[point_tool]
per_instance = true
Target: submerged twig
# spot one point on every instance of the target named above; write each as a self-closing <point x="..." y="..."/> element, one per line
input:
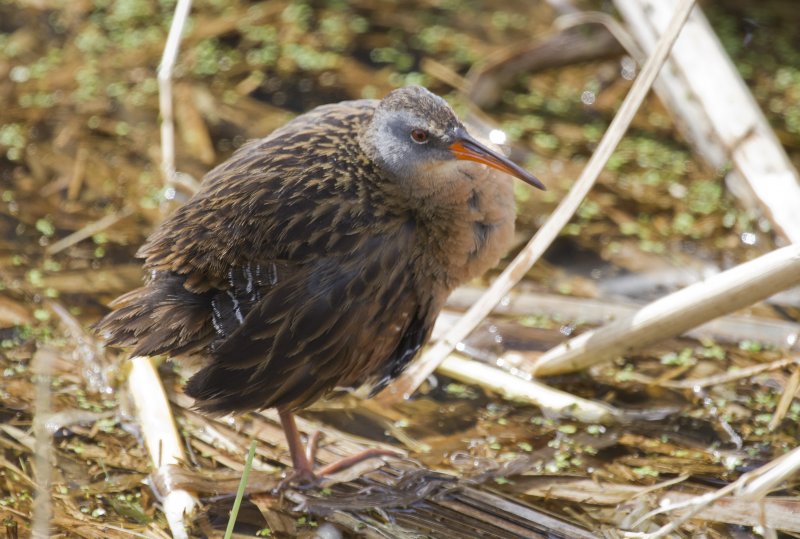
<point x="91" y="360"/>
<point x="787" y="397"/>
<point x="88" y="231"/>
<point x="419" y="371"/>
<point x="531" y="392"/>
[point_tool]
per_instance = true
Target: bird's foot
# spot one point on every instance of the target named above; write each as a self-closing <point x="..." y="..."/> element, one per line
<point x="346" y="462"/>
<point x="302" y="479"/>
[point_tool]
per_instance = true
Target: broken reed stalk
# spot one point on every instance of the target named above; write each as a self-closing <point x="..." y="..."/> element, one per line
<point x="672" y="315"/>
<point x="694" y="506"/>
<point x="407" y="384"/>
<point x="758" y="483"/>
<point x="750" y="486"/>
<point x="165" y="90"/>
<point x="161" y="438"/>
<point x="789" y="392"/>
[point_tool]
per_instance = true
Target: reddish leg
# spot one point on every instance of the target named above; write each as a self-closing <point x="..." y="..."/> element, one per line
<point x="302" y="467"/>
<point x="302" y="460"/>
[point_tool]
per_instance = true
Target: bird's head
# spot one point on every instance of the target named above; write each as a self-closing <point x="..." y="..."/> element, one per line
<point x="415" y="134"/>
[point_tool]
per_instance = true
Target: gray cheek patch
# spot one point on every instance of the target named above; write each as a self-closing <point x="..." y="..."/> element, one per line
<point x="401" y="123"/>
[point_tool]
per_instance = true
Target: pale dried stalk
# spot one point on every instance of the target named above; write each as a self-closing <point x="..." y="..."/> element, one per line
<point x="673" y="314"/>
<point x="165" y="90"/>
<point x="717" y="379"/>
<point x="694" y="506"/>
<point x="759" y="483"/>
<point x="420" y="370"/>
<point x="78" y="174"/>
<point x="779" y="512"/>
<point x="43" y="450"/>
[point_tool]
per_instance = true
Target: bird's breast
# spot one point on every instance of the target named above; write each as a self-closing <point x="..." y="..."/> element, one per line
<point x="469" y="227"/>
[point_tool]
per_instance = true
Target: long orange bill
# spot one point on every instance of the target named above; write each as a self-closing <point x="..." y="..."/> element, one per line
<point x="468" y="149"/>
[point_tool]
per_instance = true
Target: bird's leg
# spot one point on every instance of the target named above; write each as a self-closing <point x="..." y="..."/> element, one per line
<point x="312" y="445"/>
<point x="301" y="465"/>
<point x="302" y="460"/>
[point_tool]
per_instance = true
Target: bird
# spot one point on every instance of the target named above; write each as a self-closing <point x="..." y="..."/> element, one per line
<point x="318" y="258"/>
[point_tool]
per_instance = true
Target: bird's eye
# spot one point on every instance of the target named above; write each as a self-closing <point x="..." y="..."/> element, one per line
<point x="419" y="136"/>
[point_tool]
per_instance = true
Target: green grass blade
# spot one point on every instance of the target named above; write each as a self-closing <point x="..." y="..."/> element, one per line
<point x="240" y="492"/>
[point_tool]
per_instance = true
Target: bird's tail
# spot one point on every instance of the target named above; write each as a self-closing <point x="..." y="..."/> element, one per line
<point x="159" y="318"/>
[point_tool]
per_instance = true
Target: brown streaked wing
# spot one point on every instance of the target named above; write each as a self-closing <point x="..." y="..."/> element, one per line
<point x="322" y="328"/>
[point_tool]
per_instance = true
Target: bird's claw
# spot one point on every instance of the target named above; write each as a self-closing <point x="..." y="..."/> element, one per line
<point x="302" y="479"/>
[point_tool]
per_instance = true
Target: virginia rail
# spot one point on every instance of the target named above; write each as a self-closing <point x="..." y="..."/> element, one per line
<point x="320" y="256"/>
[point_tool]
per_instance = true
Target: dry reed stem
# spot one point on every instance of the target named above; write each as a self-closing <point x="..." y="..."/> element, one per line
<point x="43" y="450"/>
<point x="430" y="360"/>
<point x="718" y="114"/>
<point x="758" y="483"/>
<point x="675" y="313"/>
<point x="717" y="379"/>
<point x="165" y="90"/>
<point x="78" y="174"/>
<point x="779" y="512"/>
<point x="730" y="328"/>
<point x="582" y="18"/>
<point x="695" y="505"/>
